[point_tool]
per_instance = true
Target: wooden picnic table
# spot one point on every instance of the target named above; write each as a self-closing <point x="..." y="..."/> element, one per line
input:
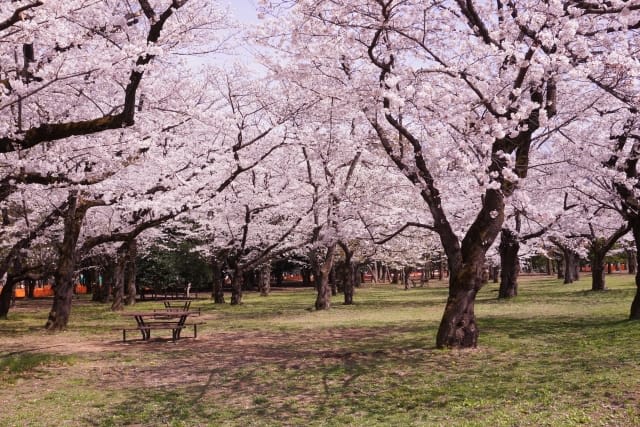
<point x="175" y="320"/>
<point x="183" y="304"/>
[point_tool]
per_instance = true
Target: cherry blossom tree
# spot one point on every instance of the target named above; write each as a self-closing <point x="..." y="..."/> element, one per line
<point x="467" y="83"/>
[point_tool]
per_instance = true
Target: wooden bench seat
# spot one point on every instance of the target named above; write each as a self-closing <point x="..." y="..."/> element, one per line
<point x="175" y="327"/>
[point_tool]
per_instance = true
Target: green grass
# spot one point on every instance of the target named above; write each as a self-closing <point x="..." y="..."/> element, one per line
<point x="557" y="355"/>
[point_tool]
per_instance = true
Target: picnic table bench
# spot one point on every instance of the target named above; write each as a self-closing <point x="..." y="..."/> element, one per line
<point x="172" y="320"/>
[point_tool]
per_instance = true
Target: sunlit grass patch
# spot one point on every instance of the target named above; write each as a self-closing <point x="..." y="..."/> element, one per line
<point x="556" y="355"/>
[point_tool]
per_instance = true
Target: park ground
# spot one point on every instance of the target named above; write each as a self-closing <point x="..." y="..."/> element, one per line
<point x="557" y="355"/>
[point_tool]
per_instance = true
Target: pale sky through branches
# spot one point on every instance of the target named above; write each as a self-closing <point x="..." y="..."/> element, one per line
<point x="245" y="10"/>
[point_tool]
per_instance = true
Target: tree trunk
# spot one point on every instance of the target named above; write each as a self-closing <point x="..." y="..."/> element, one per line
<point x="217" y="293"/>
<point x="635" y="305"/>
<point x="406" y="277"/>
<point x="374" y="272"/>
<point x="509" y="264"/>
<point x="333" y="282"/>
<point x="118" y="281"/>
<point x="105" y="286"/>
<point x="350" y="282"/>
<point x="569" y="265"/>
<point x="30" y="289"/>
<point x="560" y="268"/>
<point x="130" y="273"/>
<point x="236" y="285"/>
<point x="322" y="264"/>
<point x="6" y="295"/>
<point x="306" y="276"/>
<point x="264" y="283"/>
<point x="63" y="276"/>
<point x="632" y="261"/>
<point x="458" y="327"/>
<point x="597" y="274"/>
<point x="350" y="275"/>
<point x="548" y="272"/>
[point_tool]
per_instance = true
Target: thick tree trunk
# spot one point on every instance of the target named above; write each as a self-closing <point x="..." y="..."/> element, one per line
<point x="458" y="327"/>
<point x="569" y="266"/>
<point x="118" y="282"/>
<point x="333" y="282"/>
<point x="63" y="276"/>
<point x="548" y="272"/>
<point x="632" y="261"/>
<point x="560" y="268"/>
<point x="264" y="282"/>
<point x="509" y="264"/>
<point x="236" y="285"/>
<point x="217" y="292"/>
<point x="130" y="273"/>
<point x="350" y="281"/>
<point x="597" y="275"/>
<point x="322" y="264"/>
<point x="598" y="252"/>
<point x="635" y="305"/>
<point x="350" y="275"/>
<point x="6" y="296"/>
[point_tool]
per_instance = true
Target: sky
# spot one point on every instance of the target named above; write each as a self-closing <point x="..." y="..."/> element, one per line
<point x="245" y="10"/>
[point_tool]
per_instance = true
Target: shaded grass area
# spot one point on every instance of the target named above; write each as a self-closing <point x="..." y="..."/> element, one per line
<point x="557" y="355"/>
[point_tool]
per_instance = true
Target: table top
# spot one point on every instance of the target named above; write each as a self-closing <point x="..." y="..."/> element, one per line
<point x="158" y="313"/>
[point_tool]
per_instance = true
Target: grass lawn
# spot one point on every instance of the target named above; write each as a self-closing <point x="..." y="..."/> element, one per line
<point x="557" y="355"/>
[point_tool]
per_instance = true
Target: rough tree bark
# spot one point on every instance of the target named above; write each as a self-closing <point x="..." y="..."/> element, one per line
<point x="236" y="284"/>
<point x="264" y="283"/>
<point x="217" y="292"/>
<point x="350" y="273"/>
<point x="597" y="265"/>
<point x="63" y="276"/>
<point x="560" y="268"/>
<point x="6" y="296"/>
<point x="598" y="251"/>
<point x="635" y="305"/>
<point x="569" y="265"/>
<point x="118" y="279"/>
<point x="509" y="264"/>
<point x="130" y="272"/>
<point x="632" y="261"/>
<point x="333" y="283"/>
<point x="322" y="262"/>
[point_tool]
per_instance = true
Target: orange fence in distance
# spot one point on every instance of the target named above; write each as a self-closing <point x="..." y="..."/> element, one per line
<point x="45" y="291"/>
